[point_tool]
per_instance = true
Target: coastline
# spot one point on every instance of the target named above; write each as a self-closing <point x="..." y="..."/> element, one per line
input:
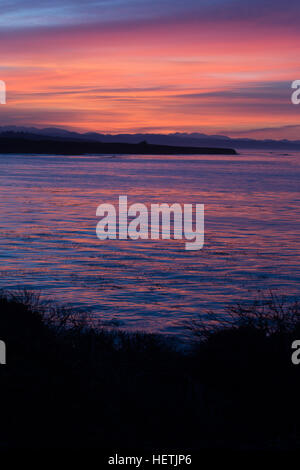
<point x="31" y="144"/>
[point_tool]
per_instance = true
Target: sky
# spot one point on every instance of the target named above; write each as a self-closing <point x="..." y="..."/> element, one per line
<point x="209" y="66"/>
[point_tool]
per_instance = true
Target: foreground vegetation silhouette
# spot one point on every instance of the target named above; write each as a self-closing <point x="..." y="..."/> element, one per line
<point x="68" y="385"/>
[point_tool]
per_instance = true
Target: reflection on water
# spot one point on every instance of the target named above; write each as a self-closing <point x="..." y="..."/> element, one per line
<point x="48" y="240"/>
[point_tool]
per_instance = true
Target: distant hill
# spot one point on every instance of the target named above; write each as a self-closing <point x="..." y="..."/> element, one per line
<point x="174" y="139"/>
<point x="37" y="143"/>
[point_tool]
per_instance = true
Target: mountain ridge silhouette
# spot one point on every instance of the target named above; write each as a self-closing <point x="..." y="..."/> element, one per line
<point x="194" y="139"/>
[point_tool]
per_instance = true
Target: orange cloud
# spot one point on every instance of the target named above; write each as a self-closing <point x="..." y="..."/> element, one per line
<point x="161" y="75"/>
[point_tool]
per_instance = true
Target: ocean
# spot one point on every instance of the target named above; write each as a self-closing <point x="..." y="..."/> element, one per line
<point x="48" y="241"/>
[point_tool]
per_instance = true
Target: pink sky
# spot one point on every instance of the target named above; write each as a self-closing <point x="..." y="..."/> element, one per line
<point x="215" y="68"/>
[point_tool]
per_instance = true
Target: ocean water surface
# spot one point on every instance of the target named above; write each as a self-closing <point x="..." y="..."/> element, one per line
<point x="48" y="242"/>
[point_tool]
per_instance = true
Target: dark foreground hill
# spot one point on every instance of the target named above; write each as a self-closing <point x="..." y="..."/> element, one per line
<point x="21" y="143"/>
<point x="69" y="386"/>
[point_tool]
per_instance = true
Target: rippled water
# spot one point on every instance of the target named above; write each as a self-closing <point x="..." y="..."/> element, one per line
<point x="48" y="241"/>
